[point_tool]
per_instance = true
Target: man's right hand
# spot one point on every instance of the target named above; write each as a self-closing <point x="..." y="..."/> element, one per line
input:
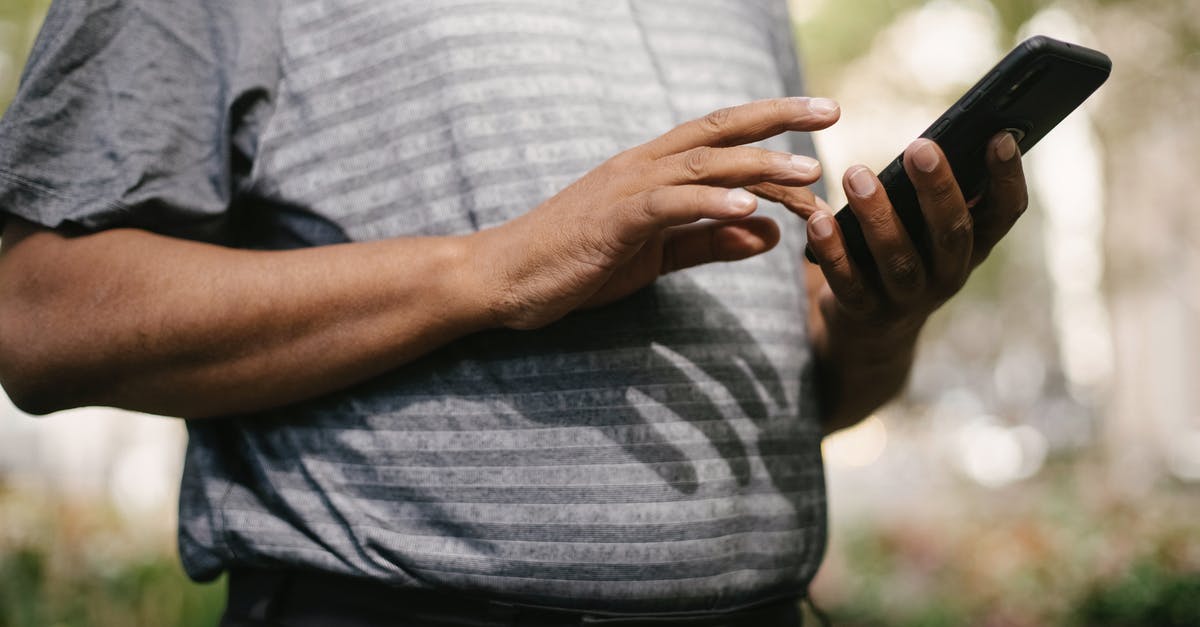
<point x="639" y="215"/>
<point x="132" y="319"/>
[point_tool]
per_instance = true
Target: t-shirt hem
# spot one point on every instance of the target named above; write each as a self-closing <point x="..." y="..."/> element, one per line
<point x="52" y="208"/>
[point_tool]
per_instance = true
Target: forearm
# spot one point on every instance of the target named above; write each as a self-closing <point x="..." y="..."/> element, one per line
<point x="857" y="370"/>
<point x="130" y="319"/>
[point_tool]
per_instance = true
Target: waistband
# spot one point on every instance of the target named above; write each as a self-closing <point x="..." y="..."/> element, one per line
<point x="299" y="599"/>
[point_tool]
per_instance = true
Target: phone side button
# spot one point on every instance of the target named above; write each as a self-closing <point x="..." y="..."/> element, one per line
<point x="981" y="89"/>
<point x="937" y="128"/>
<point x="972" y="98"/>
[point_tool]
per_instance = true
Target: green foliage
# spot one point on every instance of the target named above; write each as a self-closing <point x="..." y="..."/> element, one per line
<point x="71" y="563"/>
<point x="1149" y="595"/>
<point x="1055" y="551"/>
<point x="23" y="9"/>
<point x="1014" y="13"/>
<point x="148" y="591"/>
<point x="841" y="33"/>
<point x="19" y="23"/>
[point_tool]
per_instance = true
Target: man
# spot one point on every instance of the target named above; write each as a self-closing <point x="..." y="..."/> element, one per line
<point x="435" y="285"/>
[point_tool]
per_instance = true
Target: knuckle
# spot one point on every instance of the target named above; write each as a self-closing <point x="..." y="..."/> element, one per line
<point x="904" y="269"/>
<point x="839" y="263"/>
<point x="960" y="233"/>
<point x="944" y="191"/>
<point x="715" y="122"/>
<point x="602" y="245"/>
<point x="644" y="208"/>
<point x="853" y="296"/>
<point x="695" y="162"/>
<point x="770" y="162"/>
<point x="850" y="291"/>
<point x="704" y="197"/>
<point x="779" y="110"/>
<point x="802" y="199"/>
<point x="877" y="220"/>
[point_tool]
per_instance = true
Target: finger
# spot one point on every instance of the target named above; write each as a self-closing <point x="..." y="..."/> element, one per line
<point x="696" y="244"/>
<point x="735" y="167"/>
<point x="675" y="205"/>
<point x="1006" y="199"/>
<point x="799" y="200"/>
<point x="951" y="227"/>
<point x="746" y="124"/>
<point x="646" y="213"/>
<point x="900" y="267"/>
<point x="844" y="278"/>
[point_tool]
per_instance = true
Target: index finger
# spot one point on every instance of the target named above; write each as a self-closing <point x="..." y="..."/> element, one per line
<point x="747" y="123"/>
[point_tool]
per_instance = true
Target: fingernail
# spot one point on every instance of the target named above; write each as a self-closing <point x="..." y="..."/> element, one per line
<point x="740" y="200"/>
<point x="805" y="165"/>
<point x="862" y="183"/>
<point x="822" y="224"/>
<point x="1006" y="148"/>
<point x="925" y="157"/>
<point x="822" y="106"/>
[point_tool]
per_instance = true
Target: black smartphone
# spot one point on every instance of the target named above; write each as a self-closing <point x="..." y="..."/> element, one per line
<point x="1028" y="93"/>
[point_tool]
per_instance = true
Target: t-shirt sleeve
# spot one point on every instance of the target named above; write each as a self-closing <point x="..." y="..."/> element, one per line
<point x="139" y="113"/>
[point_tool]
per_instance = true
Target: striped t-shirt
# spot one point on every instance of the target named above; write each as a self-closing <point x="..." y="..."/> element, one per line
<point x="658" y="454"/>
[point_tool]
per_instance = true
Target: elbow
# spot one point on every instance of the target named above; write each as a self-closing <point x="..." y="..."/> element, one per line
<point x="27" y="397"/>
<point x="31" y="403"/>
<point x="29" y="372"/>
<point x="27" y="390"/>
<point x="23" y="376"/>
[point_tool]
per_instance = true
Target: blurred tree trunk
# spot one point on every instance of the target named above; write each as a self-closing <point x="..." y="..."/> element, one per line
<point x="1147" y="117"/>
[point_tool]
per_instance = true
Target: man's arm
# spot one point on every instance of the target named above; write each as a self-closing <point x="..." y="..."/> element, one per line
<point x="864" y="337"/>
<point x="131" y="319"/>
<point x="135" y="320"/>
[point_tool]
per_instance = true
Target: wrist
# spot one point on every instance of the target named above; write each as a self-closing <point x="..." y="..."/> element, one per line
<point x="876" y="336"/>
<point x="860" y="366"/>
<point x="470" y="292"/>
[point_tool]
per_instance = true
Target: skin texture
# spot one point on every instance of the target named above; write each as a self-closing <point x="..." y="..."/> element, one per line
<point x="207" y="330"/>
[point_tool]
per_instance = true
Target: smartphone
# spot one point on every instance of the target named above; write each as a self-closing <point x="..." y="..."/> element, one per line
<point x="1028" y="93"/>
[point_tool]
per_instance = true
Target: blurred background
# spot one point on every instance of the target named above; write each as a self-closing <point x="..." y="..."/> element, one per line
<point x="1043" y="467"/>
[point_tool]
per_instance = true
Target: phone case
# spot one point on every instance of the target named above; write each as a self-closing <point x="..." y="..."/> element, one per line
<point x="1029" y="91"/>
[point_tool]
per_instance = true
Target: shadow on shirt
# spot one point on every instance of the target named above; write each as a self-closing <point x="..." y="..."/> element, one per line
<point x="668" y="353"/>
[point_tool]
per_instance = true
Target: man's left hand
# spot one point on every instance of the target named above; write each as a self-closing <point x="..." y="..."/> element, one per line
<point x="864" y="332"/>
<point x="961" y="237"/>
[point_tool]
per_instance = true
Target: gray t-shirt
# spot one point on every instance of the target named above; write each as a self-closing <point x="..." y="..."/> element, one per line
<point x="661" y="453"/>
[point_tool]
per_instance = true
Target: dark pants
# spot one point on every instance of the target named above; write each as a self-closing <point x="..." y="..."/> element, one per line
<point x="290" y="599"/>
